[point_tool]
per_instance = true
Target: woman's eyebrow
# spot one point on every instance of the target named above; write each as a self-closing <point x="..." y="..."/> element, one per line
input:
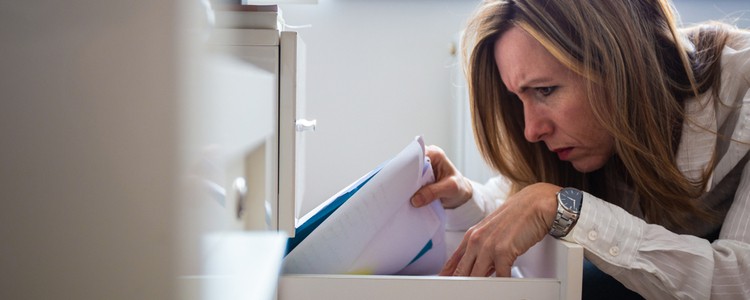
<point x="533" y="83"/>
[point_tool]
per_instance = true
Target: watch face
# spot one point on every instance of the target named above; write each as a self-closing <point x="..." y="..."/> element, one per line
<point x="571" y="199"/>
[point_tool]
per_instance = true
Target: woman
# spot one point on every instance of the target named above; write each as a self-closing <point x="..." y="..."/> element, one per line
<point x="647" y="128"/>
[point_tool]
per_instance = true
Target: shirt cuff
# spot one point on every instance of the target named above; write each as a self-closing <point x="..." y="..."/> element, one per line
<point x="463" y="217"/>
<point x="607" y="232"/>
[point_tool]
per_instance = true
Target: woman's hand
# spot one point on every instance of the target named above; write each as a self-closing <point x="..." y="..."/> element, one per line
<point x="452" y="188"/>
<point x="495" y="243"/>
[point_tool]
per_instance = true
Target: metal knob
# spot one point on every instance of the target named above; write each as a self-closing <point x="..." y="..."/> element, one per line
<point x="305" y="125"/>
<point x="240" y="191"/>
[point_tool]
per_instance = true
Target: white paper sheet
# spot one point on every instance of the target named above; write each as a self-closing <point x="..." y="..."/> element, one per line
<point x="377" y="231"/>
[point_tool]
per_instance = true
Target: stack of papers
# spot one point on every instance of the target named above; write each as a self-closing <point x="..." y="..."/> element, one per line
<point x="370" y="227"/>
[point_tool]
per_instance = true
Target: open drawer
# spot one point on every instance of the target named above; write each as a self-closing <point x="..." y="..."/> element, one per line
<point x="550" y="270"/>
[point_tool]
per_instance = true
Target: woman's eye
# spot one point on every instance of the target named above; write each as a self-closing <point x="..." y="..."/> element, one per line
<point x="546" y="91"/>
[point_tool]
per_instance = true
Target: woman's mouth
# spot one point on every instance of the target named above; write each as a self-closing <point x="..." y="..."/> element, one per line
<point x="563" y="153"/>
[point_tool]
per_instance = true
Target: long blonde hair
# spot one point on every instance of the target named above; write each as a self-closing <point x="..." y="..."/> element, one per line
<point x="639" y="75"/>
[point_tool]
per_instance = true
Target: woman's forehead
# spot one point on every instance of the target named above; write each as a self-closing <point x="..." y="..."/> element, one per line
<point x="522" y="60"/>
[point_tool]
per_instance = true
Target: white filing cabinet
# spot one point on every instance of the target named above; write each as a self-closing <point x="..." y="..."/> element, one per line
<point x="254" y="151"/>
<point x="273" y="186"/>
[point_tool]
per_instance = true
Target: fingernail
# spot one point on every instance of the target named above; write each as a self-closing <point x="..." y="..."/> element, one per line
<point x="416" y="201"/>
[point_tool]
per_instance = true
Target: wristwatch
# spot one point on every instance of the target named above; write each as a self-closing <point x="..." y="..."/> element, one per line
<point x="569" y="202"/>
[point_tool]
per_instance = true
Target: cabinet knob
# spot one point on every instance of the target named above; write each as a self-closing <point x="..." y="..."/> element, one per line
<point x="240" y="191"/>
<point x="305" y="125"/>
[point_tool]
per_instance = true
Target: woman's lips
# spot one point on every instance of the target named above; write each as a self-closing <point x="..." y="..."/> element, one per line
<point x="563" y="153"/>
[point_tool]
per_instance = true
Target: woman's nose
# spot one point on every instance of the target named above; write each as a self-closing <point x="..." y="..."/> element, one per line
<point x="537" y="125"/>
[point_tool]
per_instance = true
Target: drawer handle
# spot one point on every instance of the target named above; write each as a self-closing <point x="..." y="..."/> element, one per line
<point x="215" y="190"/>
<point x="240" y="190"/>
<point x="305" y="125"/>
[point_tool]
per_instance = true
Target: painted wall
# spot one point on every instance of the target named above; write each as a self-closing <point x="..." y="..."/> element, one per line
<point x="733" y="11"/>
<point x="378" y="74"/>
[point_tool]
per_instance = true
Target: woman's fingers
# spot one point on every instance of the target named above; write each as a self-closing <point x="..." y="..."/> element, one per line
<point x="450" y="265"/>
<point x="469" y="259"/>
<point x="464" y="267"/>
<point x="452" y="191"/>
<point x="483" y="265"/>
<point x="425" y="195"/>
<point x="496" y="241"/>
<point x="450" y="186"/>
<point x="502" y="269"/>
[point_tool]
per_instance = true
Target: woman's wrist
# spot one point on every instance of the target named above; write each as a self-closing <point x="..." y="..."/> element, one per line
<point x="466" y="192"/>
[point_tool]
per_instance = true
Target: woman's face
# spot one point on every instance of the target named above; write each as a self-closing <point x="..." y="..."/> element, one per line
<point x="556" y="109"/>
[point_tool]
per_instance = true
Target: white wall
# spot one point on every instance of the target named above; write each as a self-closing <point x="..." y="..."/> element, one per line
<point x="732" y="11"/>
<point x="379" y="73"/>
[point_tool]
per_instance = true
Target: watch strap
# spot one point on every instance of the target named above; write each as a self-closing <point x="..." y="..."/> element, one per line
<point x="563" y="223"/>
<point x="565" y="218"/>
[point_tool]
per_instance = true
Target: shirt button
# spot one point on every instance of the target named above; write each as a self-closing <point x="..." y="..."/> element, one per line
<point x="614" y="251"/>
<point x="593" y="235"/>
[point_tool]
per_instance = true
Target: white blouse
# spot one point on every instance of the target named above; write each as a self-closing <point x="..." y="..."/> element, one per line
<point x="649" y="259"/>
